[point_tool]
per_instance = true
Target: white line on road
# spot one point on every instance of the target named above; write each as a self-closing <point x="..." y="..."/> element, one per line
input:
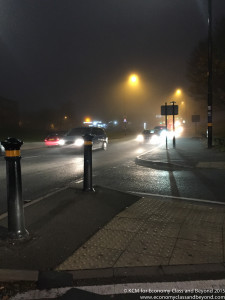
<point x="79" y="181"/>
<point x="37" y="200"/>
<point x="175" y="197"/>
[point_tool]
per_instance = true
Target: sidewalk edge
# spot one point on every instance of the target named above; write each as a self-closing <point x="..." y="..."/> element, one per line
<point x="127" y="274"/>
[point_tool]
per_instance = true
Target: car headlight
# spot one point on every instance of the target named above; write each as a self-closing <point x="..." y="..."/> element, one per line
<point x="163" y="133"/>
<point x="79" y="142"/>
<point x="155" y="139"/>
<point x="61" y="142"/>
<point x="140" y="138"/>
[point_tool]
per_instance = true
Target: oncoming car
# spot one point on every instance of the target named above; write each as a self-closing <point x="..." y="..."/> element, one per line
<point x="160" y="130"/>
<point x="148" y="136"/>
<point x="2" y="149"/>
<point x="54" y="139"/>
<point x="75" y="137"/>
<point x="145" y="136"/>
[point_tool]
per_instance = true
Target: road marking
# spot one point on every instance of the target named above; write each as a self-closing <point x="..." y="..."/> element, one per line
<point x="148" y="151"/>
<point x="79" y="181"/>
<point x="31" y="202"/>
<point x="30" y="156"/>
<point x="175" y="197"/>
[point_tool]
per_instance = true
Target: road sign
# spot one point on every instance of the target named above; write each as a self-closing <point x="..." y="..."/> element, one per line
<point x="169" y="110"/>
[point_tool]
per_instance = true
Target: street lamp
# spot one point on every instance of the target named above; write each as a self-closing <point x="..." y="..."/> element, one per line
<point x="133" y="81"/>
<point x="178" y="92"/>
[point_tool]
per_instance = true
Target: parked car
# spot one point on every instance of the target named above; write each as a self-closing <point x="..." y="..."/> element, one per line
<point x="54" y="139"/>
<point x="75" y="137"/>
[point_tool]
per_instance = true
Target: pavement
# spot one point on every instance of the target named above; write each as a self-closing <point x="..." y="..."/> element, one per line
<point x="108" y="236"/>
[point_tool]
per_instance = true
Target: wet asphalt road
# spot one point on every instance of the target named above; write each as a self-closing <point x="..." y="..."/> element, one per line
<point x="45" y="170"/>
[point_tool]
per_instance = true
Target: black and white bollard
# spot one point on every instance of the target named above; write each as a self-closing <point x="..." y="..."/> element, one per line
<point x="16" y="223"/>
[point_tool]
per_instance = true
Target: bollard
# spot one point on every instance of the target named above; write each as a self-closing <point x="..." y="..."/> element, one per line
<point x="87" y="187"/>
<point x="16" y="224"/>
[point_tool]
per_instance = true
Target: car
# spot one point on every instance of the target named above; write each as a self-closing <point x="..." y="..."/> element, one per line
<point x="160" y="130"/>
<point x="2" y="149"/>
<point x="145" y="136"/>
<point x="75" y="137"/>
<point x="54" y="139"/>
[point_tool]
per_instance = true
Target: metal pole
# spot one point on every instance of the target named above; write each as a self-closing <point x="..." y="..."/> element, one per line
<point x="16" y="223"/>
<point x="166" y="122"/>
<point x="174" y="139"/>
<point x="210" y="96"/>
<point x="87" y="187"/>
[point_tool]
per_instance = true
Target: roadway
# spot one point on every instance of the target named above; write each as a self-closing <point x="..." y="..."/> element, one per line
<point x="45" y="170"/>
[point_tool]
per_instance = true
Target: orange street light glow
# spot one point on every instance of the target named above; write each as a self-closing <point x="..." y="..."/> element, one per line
<point x="87" y="120"/>
<point x="133" y="79"/>
<point x="178" y="92"/>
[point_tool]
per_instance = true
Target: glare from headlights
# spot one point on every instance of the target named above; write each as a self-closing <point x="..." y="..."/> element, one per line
<point x="179" y="130"/>
<point x="79" y="142"/>
<point x="163" y="133"/>
<point x="61" y="142"/>
<point x="140" y="138"/>
<point x="155" y="139"/>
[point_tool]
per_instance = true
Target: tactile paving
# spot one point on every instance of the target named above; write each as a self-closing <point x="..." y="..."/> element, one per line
<point x="196" y="252"/>
<point x="142" y="208"/>
<point x="205" y="233"/>
<point x="125" y="224"/>
<point x="154" y="245"/>
<point x="89" y="258"/>
<point x="155" y="232"/>
<point x="113" y="239"/>
<point x="132" y="259"/>
<point x="206" y="214"/>
<point x="169" y="229"/>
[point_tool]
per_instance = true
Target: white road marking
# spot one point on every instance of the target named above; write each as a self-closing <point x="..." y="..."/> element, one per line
<point x="79" y="181"/>
<point x="37" y="200"/>
<point x="175" y="197"/>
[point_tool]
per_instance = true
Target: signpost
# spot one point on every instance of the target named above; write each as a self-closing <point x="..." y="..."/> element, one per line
<point x="170" y="110"/>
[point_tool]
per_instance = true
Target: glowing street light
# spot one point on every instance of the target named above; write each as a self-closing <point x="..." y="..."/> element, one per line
<point x="133" y="79"/>
<point x="178" y="92"/>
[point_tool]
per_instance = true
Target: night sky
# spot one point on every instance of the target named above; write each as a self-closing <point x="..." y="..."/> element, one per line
<point x="54" y="51"/>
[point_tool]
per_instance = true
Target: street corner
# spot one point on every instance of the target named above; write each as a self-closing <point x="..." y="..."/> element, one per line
<point x="161" y="165"/>
<point x="211" y="165"/>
